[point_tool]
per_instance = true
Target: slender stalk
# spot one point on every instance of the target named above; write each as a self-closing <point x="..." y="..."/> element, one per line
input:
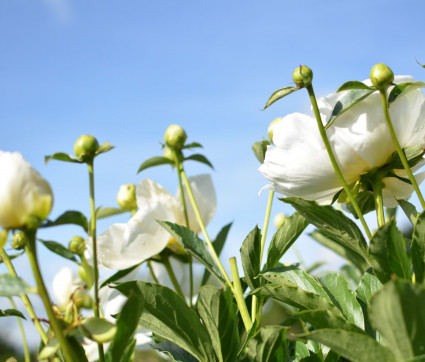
<point x="171" y="274"/>
<point x="31" y="251"/>
<point x="379" y="203"/>
<point x="204" y="231"/>
<point x="155" y="279"/>
<point x="96" y="309"/>
<point x="237" y="292"/>
<point x="334" y="162"/>
<point x="399" y="150"/>
<point x="25" y="299"/>
<point x="27" y="354"/>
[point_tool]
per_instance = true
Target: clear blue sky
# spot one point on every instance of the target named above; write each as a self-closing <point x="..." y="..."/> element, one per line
<point x="123" y="71"/>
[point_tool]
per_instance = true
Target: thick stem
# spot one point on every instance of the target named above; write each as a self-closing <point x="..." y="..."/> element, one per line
<point x="31" y="251"/>
<point x="237" y="292"/>
<point x="399" y="150"/>
<point x="379" y="203"/>
<point x="27" y="354"/>
<point x="334" y="162"/>
<point x="25" y="299"/>
<point x="172" y="275"/>
<point x="155" y="279"/>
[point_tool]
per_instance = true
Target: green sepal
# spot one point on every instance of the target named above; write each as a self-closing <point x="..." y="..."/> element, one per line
<point x="199" y="158"/>
<point x="11" y="313"/>
<point x="155" y="161"/>
<point x="104" y="147"/>
<point x="354" y="84"/>
<point x="61" y="156"/>
<point x="403" y="88"/>
<point x="260" y="149"/>
<point x="279" y="94"/>
<point x="69" y="217"/>
<point x="59" y="249"/>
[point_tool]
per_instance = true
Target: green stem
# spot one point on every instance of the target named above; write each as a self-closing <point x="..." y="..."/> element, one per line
<point x="379" y="204"/>
<point x="155" y="279"/>
<point x="237" y="292"/>
<point x="170" y="271"/>
<point x="399" y="150"/>
<point x="204" y="231"/>
<point x="334" y="162"/>
<point x="94" y="246"/>
<point x="25" y="299"/>
<point x="31" y="251"/>
<point x="21" y="329"/>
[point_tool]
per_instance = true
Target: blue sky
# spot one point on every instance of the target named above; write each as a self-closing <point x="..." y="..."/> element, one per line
<point x="123" y="71"/>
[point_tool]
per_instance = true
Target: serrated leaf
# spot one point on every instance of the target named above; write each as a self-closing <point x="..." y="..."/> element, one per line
<point x="403" y="88"/>
<point x="357" y="347"/>
<point x="260" y="149"/>
<point x="199" y="158"/>
<point x="279" y="94"/>
<point x="250" y="252"/>
<point x="103" y="212"/>
<point x="120" y="274"/>
<point x="417" y="248"/>
<point x="409" y="210"/>
<point x="331" y="223"/>
<point x="11" y="312"/>
<point x="344" y="298"/>
<point x="368" y="286"/>
<point x="69" y="217"/>
<point x="192" y="145"/>
<point x="197" y="247"/>
<point x="354" y="84"/>
<point x="12" y="286"/>
<point x="166" y="314"/>
<point x="104" y="147"/>
<point x="155" y="161"/>
<point x="365" y="201"/>
<point x="60" y="156"/>
<point x="220" y="316"/>
<point x="388" y="253"/>
<point x="59" y="249"/>
<point x="397" y="312"/>
<point x="268" y="345"/>
<point x="284" y="237"/>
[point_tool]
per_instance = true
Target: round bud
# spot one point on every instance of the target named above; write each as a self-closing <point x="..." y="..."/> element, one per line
<point x="381" y="76"/>
<point x="126" y="197"/>
<point x="279" y="219"/>
<point x="77" y="245"/>
<point x="302" y="76"/>
<point x="82" y="298"/>
<point x="272" y="127"/>
<point x="19" y="240"/>
<point x="175" y="136"/>
<point x="85" y="145"/>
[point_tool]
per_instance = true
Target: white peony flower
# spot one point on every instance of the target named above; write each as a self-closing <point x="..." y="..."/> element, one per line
<point x="298" y="164"/>
<point x="124" y="245"/>
<point x="24" y="194"/>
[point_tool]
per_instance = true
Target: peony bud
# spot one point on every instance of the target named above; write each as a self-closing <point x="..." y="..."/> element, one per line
<point x="85" y="146"/>
<point x="272" y="126"/>
<point x="279" y="219"/>
<point x="126" y="197"/>
<point x="19" y="240"/>
<point x="175" y="136"/>
<point x="77" y="245"/>
<point x="302" y="76"/>
<point x="381" y="76"/>
<point x="25" y="196"/>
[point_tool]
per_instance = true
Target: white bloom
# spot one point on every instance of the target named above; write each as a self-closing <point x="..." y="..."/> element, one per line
<point x="124" y="245"/>
<point x="298" y="164"/>
<point x="65" y="282"/>
<point x="24" y="194"/>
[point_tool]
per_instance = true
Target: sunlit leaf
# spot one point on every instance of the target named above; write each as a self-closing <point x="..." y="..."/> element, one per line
<point x="199" y="158"/>
<point x="103" y="212"/>
<point x="11" y="312"/>
<point x="192" y="145"/>
<point x="279" y="94"/>
<point x="104" y="147"/>
<point x="250" y="252"/>
<point x="260" y="149"/>
<point x="354" y="84"/>
<point x="98" y="329"/>
<point x="155" y="161"/>
<point x="69" y="217"/>
<point x="403" y="88"/>
<point x="60" y="156"/>
<point x="59" y="249"/>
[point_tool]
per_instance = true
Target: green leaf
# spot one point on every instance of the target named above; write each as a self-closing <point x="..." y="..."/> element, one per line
<point x="199" y="158"/>
<point x="12" y="286"/>
<point x="127" y="324"/>
<point x="345" y="299"/>
<point x="119" y="275"/>
<point x="284" y="237"/>
<point x="260" y="149"/>
<point x="388" y="253"/>
<point x="220" y="316"/>
<point x="59" y="249"/>
<point x="192" y="145"/>
<point x="346" y="102"/>
<point x="368" y="286"/>
<point x="155" y="161"/>
<point x="11" y="312"/>
<point x="279" y="94"/>
<point x="268" y="345"/>
<point x="60" y="156"/>
<point x="301" y="350"/>
<point x="166" y="314"/>
<point x="69" y="217"/>
<point x="218" y="244"/>
<point x="417" y="248"/>
<point x="173" y="351"/>
<point x="250" y="252"/>
<point x="409" y="210"/>
<point x="403" y="88"/>
<point x="331" y="223"/>
<point x="49" y="350"/>
<point x="103" y="212"/>
<point x="354" y="84"/>
<point x="104" y="147"/>
<point x="98" y="329"/>
<point x="251" y="333"/>
<point x="197" y="247"/>
<point x="357" y="347"/>
<point x="413" y="154"/>
<point x="397" y="312"/>
<point x="14" y="256"/>
<point x="366" y="203"/>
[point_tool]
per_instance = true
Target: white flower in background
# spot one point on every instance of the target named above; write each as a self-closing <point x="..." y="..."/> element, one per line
<point x="124" y="245"/>
<point x="298" y="164"/>
<point x="24" y="193"/>
<point x="65" y="283"/>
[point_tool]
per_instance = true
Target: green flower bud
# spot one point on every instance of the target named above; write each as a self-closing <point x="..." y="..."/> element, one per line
<point x="85" y="146"/>
<point x="381" y="76"/>
<point x="175" y="136"/>
<point x="171" y="154"/>
<point x="272" y="126"/>
<point x="19" y="240"/>
<point x="279" y="219"/>
<point x="77" y="245"/>
<point x="82" y="298"/>
<point x="302" y="76"/>
<point x="126" y="197"/>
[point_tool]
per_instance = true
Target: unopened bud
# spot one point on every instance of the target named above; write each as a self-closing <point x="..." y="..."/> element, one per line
<point x="85" y="146"/>
<point x="272" y="127"/>
<point x="302" y="76"/>
<point x="126" y="197"/>
<point x="19" y="240"/>
<point x="381" y="76"/>
<point x="77" y="245"/>
<point x="175" y="136"/>
<point x="279" y="219"/>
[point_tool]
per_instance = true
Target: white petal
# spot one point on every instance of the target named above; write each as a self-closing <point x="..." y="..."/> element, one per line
<point x="396" y="189"/>
<point x="64" y="284"/>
